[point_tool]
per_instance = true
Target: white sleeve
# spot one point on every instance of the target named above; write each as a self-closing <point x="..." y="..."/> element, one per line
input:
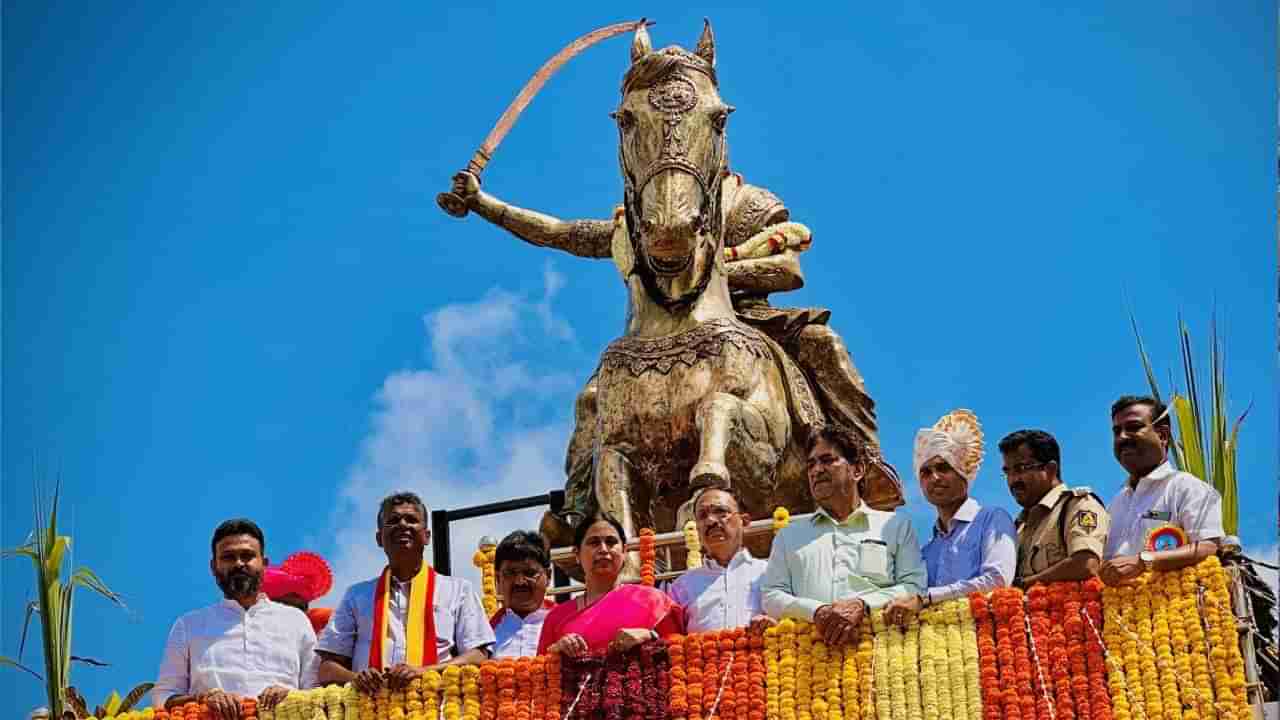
<point x="174" y="677"/>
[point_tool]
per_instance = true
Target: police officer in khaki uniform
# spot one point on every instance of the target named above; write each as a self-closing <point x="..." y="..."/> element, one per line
<point x="1061" y="531"/>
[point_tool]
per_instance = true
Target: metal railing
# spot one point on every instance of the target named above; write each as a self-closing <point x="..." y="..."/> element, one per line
<point x="663" y="542"/>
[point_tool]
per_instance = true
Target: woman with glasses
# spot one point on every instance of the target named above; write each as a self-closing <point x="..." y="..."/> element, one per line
<point x="609" y="616"/>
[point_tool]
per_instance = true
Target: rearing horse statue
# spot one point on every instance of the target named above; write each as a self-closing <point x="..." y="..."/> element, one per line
<point x="709" y="385"/>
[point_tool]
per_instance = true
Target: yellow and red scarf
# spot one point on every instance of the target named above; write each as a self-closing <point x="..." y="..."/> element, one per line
<point x="420" y="630"/>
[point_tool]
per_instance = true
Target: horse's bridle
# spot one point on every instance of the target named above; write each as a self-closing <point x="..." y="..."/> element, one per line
<point x="674" y="96"/>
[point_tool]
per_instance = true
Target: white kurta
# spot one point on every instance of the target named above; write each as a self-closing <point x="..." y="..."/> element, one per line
<point x="240" y="651"/>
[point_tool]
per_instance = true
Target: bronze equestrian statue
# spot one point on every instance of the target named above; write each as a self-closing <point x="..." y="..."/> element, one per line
<point x="709" y="384"/>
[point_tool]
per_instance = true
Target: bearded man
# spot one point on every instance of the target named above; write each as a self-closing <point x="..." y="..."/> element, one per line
<point x="244" y="646"/>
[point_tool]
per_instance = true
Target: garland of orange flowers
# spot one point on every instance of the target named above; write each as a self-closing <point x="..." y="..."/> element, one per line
<point x="555" y="694"/>
<point x="694" y="659"/>
<point x="757" y="696"/>
<point x="1039" y="631"/>
<point x="484" y="559"/>
<point x="988" y="660"/>
<point x="1100" y="705"/>
<point x="488" y="691"/>
<point x="679" y="696"/>
<point x="742" y="673"/>
<point x="648" y="556"/>
<point x="506" y="690"/>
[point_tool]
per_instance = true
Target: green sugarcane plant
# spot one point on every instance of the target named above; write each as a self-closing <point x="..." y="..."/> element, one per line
<point x="49" y="554"/>
<point x="1208" y="453"/>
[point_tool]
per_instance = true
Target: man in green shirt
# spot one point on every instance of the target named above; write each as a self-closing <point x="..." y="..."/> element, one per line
<point x="847" y="558"/>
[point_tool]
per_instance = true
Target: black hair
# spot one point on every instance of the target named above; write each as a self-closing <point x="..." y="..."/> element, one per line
<point x="851" y="446"/>
<point x="401" y="498"/>
<point x="1043" y="447"/>
<point x="580" y="532"/>
<point x="730" y="491"/>
<point x="238" y="526"/>
<point x="522" y="545"/>
<point x="1157" y="408"/>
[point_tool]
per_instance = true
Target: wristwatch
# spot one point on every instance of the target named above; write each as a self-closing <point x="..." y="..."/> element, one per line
<point x="1148" y="559"/>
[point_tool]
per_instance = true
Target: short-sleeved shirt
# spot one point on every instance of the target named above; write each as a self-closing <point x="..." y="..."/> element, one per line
<point x="460" y="621"/>
<point x="976" y="554"/>
<point x="1164" y="496"/>
<point x="1065" y="521"/>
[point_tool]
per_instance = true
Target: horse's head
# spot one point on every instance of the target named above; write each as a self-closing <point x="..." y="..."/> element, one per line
<point x="671" y="127"/>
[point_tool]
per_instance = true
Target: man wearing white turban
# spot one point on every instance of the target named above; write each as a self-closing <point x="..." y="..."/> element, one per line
<point x="973" y="548"/>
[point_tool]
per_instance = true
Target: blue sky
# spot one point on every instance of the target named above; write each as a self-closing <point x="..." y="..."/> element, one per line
<point x="227" y="289"/>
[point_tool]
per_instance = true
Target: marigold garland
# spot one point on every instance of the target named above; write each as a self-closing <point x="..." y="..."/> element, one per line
<point x="648" y="557"/>
<point x="483" y="559"/>
<point x="693" y="558"/>
<point x="781" y="518"/>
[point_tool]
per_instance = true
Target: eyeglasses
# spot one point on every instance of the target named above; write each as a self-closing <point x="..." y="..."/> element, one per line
<point x="1022" y="469"/>
<point x="511" y="574"/>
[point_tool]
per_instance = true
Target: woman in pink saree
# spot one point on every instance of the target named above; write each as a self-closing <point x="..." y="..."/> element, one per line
<point x="609" y="615"/>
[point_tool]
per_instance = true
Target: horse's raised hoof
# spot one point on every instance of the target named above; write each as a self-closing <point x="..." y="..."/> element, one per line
<point x="709" y="474"/>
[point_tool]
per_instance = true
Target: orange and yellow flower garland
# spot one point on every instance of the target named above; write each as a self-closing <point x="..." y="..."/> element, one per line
<point x="648" y="556"/>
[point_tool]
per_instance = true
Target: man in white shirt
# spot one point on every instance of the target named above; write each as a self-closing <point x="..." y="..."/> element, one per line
<point x="523" y="567"/>
<point x="382" y="633"/>
<point x="725" y="591"/>
<point x="847" y="558"/>
<point x="1155" y="495"/>
<point x="244" y="646"/>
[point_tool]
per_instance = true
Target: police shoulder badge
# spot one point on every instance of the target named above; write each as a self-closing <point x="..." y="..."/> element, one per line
<point x="1086" y="519"/>
<point x="1166" y="537"/>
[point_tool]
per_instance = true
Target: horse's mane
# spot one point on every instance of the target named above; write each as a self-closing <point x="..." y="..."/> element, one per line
<point x="652" y="67"/>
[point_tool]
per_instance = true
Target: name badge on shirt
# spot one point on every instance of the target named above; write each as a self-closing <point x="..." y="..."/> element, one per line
<point x="873" y="559"/>
<point x="1161" y="515"/>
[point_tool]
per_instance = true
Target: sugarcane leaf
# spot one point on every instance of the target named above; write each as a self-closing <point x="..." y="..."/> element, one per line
<point x="1146" y="360"/>
<point x="53" y="563"/>
<point x="99" y="712"/>
<point x="88" y="579"/>
<point x="89" y="661"/>
<point x="1190" y="433"/>
<point x="27" y="550"/>
<point x="135" y="695"/>
<point x="10" y="662"/>
<point x="113" y="703"/>
<point x="32" y="609"/>
<point x="76" y="701"/>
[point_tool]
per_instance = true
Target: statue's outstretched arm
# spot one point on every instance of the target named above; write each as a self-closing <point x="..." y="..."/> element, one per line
<point x="584" y="238"/>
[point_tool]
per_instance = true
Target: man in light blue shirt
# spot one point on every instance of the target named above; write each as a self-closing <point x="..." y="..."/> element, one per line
<point x="847" y="558"/>
<point x="973" y="548"/>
